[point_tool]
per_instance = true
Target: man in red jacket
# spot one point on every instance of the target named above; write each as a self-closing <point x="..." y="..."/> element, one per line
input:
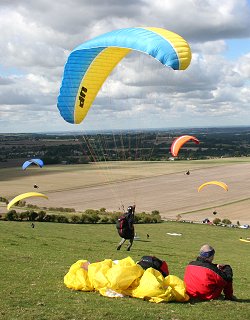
<point x="205" y="280"/>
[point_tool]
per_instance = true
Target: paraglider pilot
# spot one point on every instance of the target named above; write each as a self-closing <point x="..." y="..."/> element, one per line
<point x="205" y="280"/>
<point x="128" y="231"/>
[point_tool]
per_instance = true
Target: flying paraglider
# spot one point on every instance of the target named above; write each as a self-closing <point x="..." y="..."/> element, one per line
<point x="179" y="142"/>
<point x="244" y="240"/>
<point x="218" y="183"/>
<point x="90" y="64"/>
<point x="24" y="196"/>
<point x="38" y="162"/>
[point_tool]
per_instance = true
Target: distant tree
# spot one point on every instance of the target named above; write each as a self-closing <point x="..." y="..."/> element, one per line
<point x="84" y="218"/>
<point x="146" y="219"/>
<point x="90" y="211"/>
<point x="32" y="215"/>
<point x="62" y="219"/>
<point x="75" y="218"/>
<point x="178" y="217"/>
<point x="23" y="215"/>
<point x="11" y="215"/>
<point x="21" y="203"/>
<point x="94" y="218"/>
<point x="155" y="212"/>
<point x="50" y="218"/>
<point x="216" y="221"/>
<point x="41" y="215"/>
<point x="2" y="199"/>
<point x="226" y="221"/>
<point x="104" y="219"/>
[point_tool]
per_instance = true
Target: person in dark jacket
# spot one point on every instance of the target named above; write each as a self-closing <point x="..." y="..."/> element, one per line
<point x="205" y="280"/>
<point x="130" y="231"/>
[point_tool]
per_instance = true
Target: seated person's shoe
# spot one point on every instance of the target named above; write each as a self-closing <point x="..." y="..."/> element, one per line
<point x="233" y="298"/>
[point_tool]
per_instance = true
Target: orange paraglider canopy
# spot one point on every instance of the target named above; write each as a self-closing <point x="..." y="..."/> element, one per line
<point x="179" y="142"/>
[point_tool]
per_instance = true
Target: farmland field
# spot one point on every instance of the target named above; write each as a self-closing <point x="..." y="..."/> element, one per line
<point x="151" y="186"/>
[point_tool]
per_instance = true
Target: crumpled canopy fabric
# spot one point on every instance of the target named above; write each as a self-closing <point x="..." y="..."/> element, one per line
<point x="124" y="277"/>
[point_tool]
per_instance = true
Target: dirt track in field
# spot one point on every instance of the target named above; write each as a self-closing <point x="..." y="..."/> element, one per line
<point x="163" y="187"/>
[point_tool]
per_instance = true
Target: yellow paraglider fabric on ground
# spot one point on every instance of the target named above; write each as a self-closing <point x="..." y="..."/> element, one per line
<point x="125" y="278"/>
<point x="155" y="288"/>
<point x="97" y="273"/>
<point x="24" y="196"/>
<point x="152" y="287"/>
<point x="77" y="277"/>
<point x="123" y="275"/>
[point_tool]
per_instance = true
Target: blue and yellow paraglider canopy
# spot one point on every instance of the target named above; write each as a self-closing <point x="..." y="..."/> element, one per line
<point x="90" y="64"/>
<point x="38" y="162"/>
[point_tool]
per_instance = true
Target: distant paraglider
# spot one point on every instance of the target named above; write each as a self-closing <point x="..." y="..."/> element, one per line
<point x="37" y="162"/>
<point x="218" y="183"/>
<point x="244" y="240"/>
<point x="179" y="142"/>
<point x="24" y="196"/>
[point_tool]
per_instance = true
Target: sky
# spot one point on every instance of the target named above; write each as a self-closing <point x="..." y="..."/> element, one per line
<point x="38" y="36"/>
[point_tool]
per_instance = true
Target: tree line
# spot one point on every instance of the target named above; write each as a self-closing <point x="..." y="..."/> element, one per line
<point x="131" y="146"/>
<point x="66" y="215"/>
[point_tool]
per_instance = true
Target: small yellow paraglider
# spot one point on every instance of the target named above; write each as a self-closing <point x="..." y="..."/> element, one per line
<point x="24" y="196"/>
<point x="218" y="183"/>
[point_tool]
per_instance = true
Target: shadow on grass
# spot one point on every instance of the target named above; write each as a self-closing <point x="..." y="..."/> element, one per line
<point x="242" y="300"/>
<point x="194" y="301"/>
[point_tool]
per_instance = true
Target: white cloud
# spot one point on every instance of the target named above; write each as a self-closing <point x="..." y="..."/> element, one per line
<point x="37" y="36"/>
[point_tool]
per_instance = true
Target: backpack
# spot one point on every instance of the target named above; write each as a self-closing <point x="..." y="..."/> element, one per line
<point x="153" y="262"/>
<point x="123" y="227"/>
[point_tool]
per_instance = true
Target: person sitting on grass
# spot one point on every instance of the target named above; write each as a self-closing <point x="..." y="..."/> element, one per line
<point x="205" y="280"/>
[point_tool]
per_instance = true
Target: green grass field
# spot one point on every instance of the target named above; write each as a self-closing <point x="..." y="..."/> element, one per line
<point x="34" y="261"/>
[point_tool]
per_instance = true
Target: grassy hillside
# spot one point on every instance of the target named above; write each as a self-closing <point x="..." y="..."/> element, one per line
<point x="34" y="261"/>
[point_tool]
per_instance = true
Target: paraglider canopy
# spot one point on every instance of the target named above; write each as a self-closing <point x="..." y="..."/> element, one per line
<point x="217" y="183"/>
<point x="90" y="63"/>
<point x="37" y="162"/>
<point x="179" y="142"/>
<point x="24" y="196"/>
